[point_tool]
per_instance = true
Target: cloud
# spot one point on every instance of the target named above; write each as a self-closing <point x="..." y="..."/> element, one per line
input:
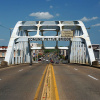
<point x="42" y="15"/>
<point x="57" y="14"/>
<point x="51" y="7"/>
<point x="2" y="39"/>
<point x="96" y="25"/>
<point x="85" y="19"/>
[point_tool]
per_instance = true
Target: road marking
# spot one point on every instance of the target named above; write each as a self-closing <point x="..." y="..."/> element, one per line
<point x="40" y="84"/>
<point x="55" y="85"/>
<point x="75" y="69"/>
<point x="0" y="79"/>
<point x="49" y="88"/>
<point x="30" y="66"/>
<point x="20" y="70"/>
<point x="92" y="77"/>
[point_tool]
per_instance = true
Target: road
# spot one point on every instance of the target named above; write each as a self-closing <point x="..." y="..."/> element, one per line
<point x="74" y="82"/>
<point x="77" y="82"/>
<point x="20" y="82"/>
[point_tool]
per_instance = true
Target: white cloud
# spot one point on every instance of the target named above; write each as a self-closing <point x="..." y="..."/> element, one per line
<point x="85" y="19"/>
<point x="96" y="25"/>
<point x="42" y="15"/>
<point x="2" y="39"/>
<point x="51" y="7"/>
<point x="57" y="14"/>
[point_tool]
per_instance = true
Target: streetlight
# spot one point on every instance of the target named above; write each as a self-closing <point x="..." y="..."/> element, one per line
<point x="10" y="31"/>
<point x="88" y="31"/>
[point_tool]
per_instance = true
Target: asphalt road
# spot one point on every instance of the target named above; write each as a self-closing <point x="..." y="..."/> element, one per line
<point x="74" y="82"/>
<point x="20" y="82"/>
<point x="77" y="82"/>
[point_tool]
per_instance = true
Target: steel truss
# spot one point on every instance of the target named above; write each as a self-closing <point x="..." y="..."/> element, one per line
<point x="19" y="45"/>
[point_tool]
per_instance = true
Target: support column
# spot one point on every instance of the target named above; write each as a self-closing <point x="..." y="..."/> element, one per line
<point x="74" y="52"/>
<point x="21" y="52"/>
<point x="83" y="54"/>
<point x="80" y="53"/>
<point x="15" y="53"/>
<point x="30" y="53"/>
<point x="13" y="56"/>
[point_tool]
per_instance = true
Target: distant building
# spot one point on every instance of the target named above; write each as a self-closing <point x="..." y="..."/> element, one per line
<point x="96" y="49"/>
<point x="35" y="52"/>
<point x="3" y="50"/>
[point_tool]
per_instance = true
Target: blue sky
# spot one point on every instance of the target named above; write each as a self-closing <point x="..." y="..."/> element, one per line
<point x="12" y="11"/>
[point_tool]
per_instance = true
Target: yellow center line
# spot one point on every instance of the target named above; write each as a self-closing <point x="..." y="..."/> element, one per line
<point x="40" y="84"/>
<point x="48" y="85"/>
<point x="55" y="85"/>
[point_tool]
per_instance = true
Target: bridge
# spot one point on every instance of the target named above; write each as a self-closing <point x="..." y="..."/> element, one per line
<point x="80" y="49"/>
<point x="78" y="79"/>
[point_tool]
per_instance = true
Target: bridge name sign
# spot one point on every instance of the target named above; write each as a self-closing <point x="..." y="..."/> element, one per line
<point x="50" y="39"/>
<point x="67" y="34"/>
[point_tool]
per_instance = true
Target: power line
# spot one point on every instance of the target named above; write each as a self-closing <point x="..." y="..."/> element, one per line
<point x="5" y="27"/>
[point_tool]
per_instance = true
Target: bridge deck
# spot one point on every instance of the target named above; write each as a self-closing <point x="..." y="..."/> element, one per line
<point x="74" y="82"/>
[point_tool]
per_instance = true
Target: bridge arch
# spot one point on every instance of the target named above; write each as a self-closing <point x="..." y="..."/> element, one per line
<point x="74" y="31"/>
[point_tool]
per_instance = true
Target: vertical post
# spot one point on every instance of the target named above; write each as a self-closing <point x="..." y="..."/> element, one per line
<point x="23" y="48"/>
<point x="37" y="55"/>
<point x="16" y="54"/>
<point x="13" y="56"/>
<point x="78" y="49"/>
<point x="83" y="54"/>
<point x="30" y="53"/>
<point x="42" y="40"/>
<point x="70" y="58"/>
<point x="26" y="52"/>
<point x="74" y="52"/>
<point x="21" y="52"/>
<point x="80" y="53"/>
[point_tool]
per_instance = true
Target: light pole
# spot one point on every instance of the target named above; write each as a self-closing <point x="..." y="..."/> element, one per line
<point x="10" y="31"/>
<point x="88" y="31"/>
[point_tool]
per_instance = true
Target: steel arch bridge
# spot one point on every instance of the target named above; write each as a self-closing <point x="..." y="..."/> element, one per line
<point x="74" y="31"/>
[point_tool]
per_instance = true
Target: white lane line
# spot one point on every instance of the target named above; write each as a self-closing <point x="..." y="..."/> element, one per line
<point x="75" y="69"/>
<point x="30" y="66"/>
<point x="20" y="70"/>
<point x="0" y="79"/>
<point x="92" y="77"/>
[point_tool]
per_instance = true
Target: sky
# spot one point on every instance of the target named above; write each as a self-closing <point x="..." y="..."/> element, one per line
<point x="12" y="11"/>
